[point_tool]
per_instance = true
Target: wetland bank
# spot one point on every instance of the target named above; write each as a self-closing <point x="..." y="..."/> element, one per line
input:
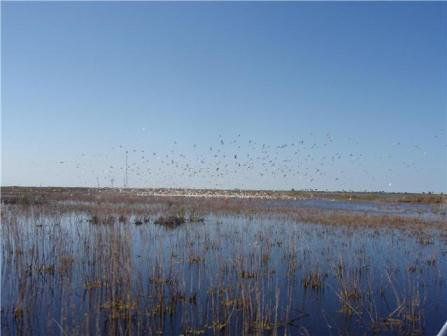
<point x="78" y="262"/>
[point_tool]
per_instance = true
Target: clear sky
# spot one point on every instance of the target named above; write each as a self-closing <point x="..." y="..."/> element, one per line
<point x="256" y="95"/>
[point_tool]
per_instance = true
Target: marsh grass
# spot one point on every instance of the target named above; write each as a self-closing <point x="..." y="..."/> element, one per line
<point x="113" y="264"/>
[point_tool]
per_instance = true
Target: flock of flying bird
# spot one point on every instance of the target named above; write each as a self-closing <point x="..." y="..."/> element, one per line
<point x="240" y="163"/>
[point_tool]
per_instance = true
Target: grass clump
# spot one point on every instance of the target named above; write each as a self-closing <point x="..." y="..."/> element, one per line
<point x="170" y="221"/>
<point x="179" y="218"/>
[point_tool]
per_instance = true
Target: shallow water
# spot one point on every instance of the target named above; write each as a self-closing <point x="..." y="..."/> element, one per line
<point x="60" y="273"/>
<point x="425" y="211"/>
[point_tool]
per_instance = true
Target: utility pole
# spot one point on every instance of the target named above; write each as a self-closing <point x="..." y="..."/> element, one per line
<point x="126" y="177"/>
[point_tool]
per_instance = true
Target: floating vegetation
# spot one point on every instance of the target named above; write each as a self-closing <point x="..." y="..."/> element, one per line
<point x="170" y="221"/>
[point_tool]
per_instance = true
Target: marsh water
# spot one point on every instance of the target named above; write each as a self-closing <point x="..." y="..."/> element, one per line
<point x="225" y="274"/>
<point x="426" y="211"/>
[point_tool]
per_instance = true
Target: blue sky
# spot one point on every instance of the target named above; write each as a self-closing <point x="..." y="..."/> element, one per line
<point x="287" y="95"/>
